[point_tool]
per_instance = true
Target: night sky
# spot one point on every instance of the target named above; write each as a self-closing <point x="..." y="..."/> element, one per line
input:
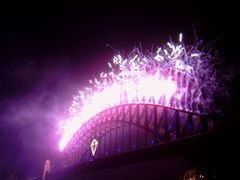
<point x="48" y="51"/>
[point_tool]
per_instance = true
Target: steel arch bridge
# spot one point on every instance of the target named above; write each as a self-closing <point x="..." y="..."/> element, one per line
<point x="132" y="127"/>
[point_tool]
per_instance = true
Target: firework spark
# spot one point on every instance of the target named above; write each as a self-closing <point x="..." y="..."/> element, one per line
<point x="174" y="76"/>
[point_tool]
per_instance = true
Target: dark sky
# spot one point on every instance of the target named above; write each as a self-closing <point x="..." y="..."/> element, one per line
<point x="49" y="50"/>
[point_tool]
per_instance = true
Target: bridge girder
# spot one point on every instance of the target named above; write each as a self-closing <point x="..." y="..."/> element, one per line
<point x="133" y="126"/>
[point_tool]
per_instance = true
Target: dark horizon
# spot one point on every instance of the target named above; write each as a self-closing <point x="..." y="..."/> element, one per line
<point x="49" y="50"/>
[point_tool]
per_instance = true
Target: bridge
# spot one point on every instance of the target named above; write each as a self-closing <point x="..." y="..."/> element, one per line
<point x="136" y="133"/>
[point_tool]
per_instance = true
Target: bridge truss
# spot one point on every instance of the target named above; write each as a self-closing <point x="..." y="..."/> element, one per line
<point x="132" y="127"/>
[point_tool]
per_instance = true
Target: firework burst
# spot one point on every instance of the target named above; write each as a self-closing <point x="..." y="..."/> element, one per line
<point x="175" y="76"/>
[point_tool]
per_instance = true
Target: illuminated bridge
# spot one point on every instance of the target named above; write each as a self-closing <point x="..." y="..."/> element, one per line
<point x="131" y="129"/>
<point x="154" y="100"/>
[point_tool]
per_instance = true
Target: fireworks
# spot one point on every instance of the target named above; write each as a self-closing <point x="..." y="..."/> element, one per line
<point x="174" y="76"/>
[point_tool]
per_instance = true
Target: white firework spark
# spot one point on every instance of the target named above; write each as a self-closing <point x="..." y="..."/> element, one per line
<point x="173" y="76"/>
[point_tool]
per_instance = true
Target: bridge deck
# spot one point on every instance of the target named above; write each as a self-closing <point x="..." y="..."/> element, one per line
<point x="171" y="160"/>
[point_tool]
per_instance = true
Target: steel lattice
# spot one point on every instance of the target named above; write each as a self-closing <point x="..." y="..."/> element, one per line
<point x="133" y="126"/>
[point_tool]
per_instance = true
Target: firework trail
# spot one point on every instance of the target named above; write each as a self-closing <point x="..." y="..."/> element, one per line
<point x="174" y="76"/>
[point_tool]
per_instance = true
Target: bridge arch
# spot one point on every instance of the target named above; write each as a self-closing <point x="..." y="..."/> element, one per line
<point x="130" y="127"/>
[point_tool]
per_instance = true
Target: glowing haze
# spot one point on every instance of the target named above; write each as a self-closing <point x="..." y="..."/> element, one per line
<point x="174" y="76"/>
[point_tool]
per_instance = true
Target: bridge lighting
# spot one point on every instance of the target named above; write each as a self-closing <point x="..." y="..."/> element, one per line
<point x="93" y="146"/>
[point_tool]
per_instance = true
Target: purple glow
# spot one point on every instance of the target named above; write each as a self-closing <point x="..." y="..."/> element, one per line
<point x="174" y="76"/>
